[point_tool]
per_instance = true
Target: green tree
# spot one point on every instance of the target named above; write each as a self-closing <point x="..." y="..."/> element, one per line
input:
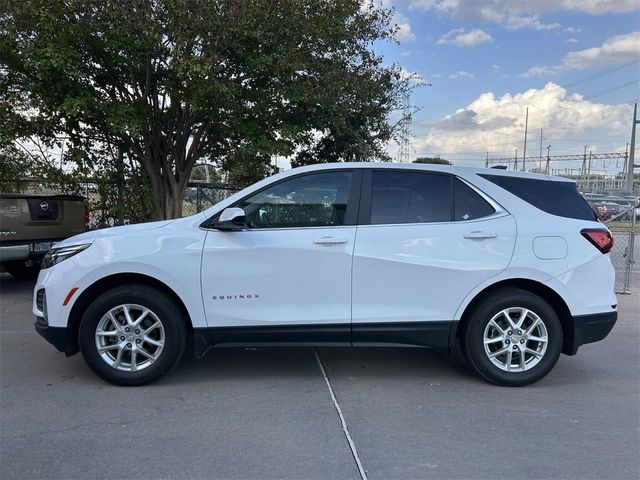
<point x="13" y="164"/>
<point x="432" y="160"/>
<point x="173" y="82"/>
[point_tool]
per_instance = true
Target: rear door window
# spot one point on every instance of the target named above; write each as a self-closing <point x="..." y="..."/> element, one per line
<point x="410" y="197"/>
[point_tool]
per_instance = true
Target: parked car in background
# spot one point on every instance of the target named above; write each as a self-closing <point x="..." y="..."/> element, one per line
<point x="31" y="224"/>
<point x="606" y="210"/>
<point x="512" y="266"/>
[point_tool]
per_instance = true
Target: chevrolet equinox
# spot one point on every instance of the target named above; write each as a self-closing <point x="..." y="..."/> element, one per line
<point x="512" y="266"/>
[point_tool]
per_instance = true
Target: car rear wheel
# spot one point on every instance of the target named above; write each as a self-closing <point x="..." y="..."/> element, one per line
<point x="132" y="335"/>
<point x="513" y="338"/>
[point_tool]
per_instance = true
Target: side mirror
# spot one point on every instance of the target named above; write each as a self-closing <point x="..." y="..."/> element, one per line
<point x="231" y="219"/>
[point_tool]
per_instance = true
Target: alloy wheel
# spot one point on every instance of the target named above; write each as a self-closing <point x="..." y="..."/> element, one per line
<point x="130" y="337"/>
<point x="515" y="339"/>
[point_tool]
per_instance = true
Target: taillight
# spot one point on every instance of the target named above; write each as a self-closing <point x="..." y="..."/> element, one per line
<point x="86" y="216"/>
<point x="601" y="238"/>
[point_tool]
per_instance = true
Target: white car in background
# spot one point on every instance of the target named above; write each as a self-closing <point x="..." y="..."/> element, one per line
<point x="514" y="266"/>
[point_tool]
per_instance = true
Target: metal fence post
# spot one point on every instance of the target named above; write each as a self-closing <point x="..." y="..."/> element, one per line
<point x="632" y="238"/>
<point x="120" y="202"/>
<point x="120" y="186"/>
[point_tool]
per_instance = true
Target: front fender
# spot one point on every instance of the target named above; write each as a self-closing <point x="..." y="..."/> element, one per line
<point x="172" y="260"/>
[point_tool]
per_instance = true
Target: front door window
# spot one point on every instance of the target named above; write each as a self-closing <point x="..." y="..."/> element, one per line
<point x="315" y="200"/>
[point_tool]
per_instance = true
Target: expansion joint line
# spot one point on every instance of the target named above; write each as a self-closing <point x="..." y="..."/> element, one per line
<point x="345" y="429"/>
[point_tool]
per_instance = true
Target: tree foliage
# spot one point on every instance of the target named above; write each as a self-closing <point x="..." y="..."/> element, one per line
<point x="172" y="82"/>
<point x="432" y="160"/>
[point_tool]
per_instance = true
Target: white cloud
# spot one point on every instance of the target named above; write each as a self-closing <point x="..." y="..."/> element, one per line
<point x="518" y="22"/>
<point x="461" y="38"/>
<point x="615" y="50"/>
<point x="405" y="33"/>
<point x="520" y="13"/>
<point x="596" y="7"/>
<point x="572" y="30"/>
<point x="413" y="77"/>
<point x="496" y="124"/>
<point x="461" y="74"/>
<point x="618" y="49"/>
<point x="495" y="67"/>
<point x="488" y="9"/>
<point x="573" y="40"/>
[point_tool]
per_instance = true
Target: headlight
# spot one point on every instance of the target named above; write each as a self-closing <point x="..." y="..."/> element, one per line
<point x="58" y="254"/>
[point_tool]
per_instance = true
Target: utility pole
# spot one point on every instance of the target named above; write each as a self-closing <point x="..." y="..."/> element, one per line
<point x="540" y="160"/>
<point x="546" y="170"/>
<point x="583" y="170"/>
<point x="632" y="149"/>
<point x="589" y="186"/>
<point x="526" y="128"/>
<point x="515" y="162"/>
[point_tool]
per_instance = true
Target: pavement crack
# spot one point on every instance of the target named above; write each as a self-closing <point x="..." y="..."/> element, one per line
<point x="343" y="422"/>
<point x="76" y="427"/>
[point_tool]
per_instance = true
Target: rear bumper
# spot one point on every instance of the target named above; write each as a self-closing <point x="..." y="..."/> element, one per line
<point x="16" y="251"/>
<point x="588" y="329"/>
<point x="57" y="336"/>
<point x="11" y="253"/>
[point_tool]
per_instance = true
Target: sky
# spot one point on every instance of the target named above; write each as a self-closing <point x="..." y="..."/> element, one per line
<point x="478" y="64"/>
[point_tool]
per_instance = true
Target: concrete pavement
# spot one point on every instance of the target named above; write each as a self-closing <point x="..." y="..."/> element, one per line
<point x="268" y="413"/>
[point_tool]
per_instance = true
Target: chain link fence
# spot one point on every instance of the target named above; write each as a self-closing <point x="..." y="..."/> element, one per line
<point x="620" y="215"/>
<point x="200" y="196"/>
<point x="111" y="203"/>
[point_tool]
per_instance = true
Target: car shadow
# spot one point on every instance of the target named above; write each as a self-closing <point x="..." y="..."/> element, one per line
<point x="11" y="285"/>
<point x="289" y="363"/>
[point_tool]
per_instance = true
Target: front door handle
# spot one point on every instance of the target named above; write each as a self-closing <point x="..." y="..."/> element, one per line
<point x="329" y="241"/>
<point x="478" y="235"/>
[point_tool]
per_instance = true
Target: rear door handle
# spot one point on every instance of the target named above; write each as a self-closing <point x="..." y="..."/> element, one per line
<point x="477" y="235"/>
<point x="329" y="241"/>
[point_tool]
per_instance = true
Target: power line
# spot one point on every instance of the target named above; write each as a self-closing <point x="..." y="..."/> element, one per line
<point x="547" y="92"/>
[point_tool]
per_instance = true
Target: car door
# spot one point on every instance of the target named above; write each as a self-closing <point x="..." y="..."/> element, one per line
<point x="426" y="239"/>
<point x="288" y="274"/>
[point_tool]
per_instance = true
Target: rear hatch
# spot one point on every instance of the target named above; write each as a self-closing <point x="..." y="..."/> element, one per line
<point x="36" y="218"/>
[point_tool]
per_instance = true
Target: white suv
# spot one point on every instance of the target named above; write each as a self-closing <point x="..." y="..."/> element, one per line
<point x="515" y="266"/>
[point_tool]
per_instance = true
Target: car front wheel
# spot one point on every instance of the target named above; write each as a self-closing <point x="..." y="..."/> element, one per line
<point x="132" y="335"/>
<point x="513" y="338"/>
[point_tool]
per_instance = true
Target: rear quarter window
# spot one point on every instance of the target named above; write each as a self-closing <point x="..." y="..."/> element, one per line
<point x="557" y="198"/>
<point x="468" y="205"/>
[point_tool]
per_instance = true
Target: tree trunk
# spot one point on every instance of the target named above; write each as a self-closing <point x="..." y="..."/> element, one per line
<point x="168" y="200"/>
<point x="171" y="204"/>
<point x="168" y="195"/>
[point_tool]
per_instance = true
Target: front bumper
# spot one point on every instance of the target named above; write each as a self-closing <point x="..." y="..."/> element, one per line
<point x="57" y="336"/>
<point x="588" y="329"/>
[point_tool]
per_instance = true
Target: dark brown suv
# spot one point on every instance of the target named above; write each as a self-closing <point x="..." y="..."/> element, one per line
<point x="30" y="224"/>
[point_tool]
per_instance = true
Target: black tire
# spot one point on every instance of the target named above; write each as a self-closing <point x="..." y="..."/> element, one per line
<point x="22" y="271"/>
<point x="164" y="308"/>
<point x="473" y="337"/>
